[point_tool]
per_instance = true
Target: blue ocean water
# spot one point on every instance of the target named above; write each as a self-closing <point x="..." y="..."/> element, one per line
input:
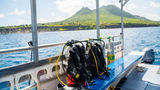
<point x="135" y="39"/>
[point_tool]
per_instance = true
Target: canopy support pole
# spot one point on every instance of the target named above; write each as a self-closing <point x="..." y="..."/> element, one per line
<point x="97" y="18"/>
<point x="122" y="28"/>
<point x="34" y="30"/>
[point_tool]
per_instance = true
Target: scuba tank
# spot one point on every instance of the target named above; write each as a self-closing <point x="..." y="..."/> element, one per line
<point x="97" y="61"/>
<point x="77" y="71"/>
<point x="85" y="62"/>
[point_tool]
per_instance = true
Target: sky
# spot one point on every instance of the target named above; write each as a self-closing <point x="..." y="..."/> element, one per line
<point x="17" y="12"/>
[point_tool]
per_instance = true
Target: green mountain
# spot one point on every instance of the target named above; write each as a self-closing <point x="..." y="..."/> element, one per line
<point x="85" y="18"/>
<point x="109" y="15"/>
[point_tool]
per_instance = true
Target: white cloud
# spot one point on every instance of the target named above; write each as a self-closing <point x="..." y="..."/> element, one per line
<point x="29" y="12"/>
<point x="43" y="20"/>
<point x="69" y="6"/>
<point x="53" y="14"/>
<point x="151" y="16"/>
<point x="20" y="21"/>
<point x="154" y="17"/>
<point x="130" y="6"/>
<point x="16" y="0"/>
<point x="57" y="17"/>
<point x="18" y="12"/>
<point x="23" y="21"/>
<point x="155" y="4"/>
<point x="2" y="15"/>
<point x="107" y="2"/>
<point x="46" y="20"/>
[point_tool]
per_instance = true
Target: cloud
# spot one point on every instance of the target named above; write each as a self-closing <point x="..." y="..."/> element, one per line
<point x="69" y="6"/>
<point x="20" y="21"/>
<point x="43" y="20"/>
<point x="155" y="4"/>
<point x="130" y="6"/>
<point x="46" y="20"/>
<point x="108" y="2"/>
<point x="53" y="14"/>
<point x="57" y="17"/>
<point x="2" y="15"/>
<point x="23" y="21"/>
<point x="154" y="17"/>
<point x="18" y="12"/>
<point x="29" y="12"/>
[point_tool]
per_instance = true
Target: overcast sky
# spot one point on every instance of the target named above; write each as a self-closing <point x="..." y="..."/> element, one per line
<point x="16" y="12"/>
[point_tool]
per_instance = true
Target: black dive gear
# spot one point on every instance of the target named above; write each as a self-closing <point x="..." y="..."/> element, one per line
<point x="81" y="65"/>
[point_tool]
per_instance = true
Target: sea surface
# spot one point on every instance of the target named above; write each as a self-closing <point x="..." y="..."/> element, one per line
<point x="135" y="39"/>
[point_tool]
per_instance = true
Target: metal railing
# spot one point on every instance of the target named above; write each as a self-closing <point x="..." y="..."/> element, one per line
<point x="15" y="73"/>
<point x="4" y="51"/>
<point x="28" y="48"/>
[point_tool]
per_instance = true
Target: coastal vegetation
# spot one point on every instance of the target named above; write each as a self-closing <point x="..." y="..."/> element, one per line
<point x="85" y="18"/>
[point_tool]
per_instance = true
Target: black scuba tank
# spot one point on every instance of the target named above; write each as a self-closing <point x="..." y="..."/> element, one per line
<point x="98" y="53"/>
<point x="101" y="56"/>
<point x="83" y="61"/>
<point x="76" y="68"/>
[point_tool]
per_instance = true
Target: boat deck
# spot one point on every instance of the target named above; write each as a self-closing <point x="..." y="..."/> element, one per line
<point x="149" y="79"/>
<point x="118" y="68"/>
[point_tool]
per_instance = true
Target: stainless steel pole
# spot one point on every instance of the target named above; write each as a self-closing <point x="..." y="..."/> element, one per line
<point x="122" y="26"/>
<point x="34" y="30"/>
<point x="97" y="18"/>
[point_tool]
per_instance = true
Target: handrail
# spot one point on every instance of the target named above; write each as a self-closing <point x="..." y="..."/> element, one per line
<point x="113" y="36"/>
<point x="4" y="51"/>
<point x="50" y="45"/>
<point x="117" y="36"/>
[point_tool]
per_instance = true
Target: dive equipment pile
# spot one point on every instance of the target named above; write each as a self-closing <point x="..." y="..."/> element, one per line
<point x="85" y="62"/>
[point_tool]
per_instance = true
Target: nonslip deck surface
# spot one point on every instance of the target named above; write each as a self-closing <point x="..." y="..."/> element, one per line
<point x="147" y="80"/>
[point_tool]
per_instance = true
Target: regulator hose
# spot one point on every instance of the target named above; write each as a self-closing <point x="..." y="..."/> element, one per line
<point x="56" y="67"/>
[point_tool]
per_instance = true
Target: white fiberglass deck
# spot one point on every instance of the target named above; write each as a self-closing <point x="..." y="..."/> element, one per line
<point x="147" y="80"/>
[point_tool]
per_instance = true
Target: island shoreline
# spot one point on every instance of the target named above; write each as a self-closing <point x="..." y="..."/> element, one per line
<point x="29" y="31"/>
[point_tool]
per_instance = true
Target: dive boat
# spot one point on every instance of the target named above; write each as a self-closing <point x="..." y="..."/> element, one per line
<point x="123" y="72"/>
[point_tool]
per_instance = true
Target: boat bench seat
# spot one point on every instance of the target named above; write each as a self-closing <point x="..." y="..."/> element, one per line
<point x="117" y="69"/>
